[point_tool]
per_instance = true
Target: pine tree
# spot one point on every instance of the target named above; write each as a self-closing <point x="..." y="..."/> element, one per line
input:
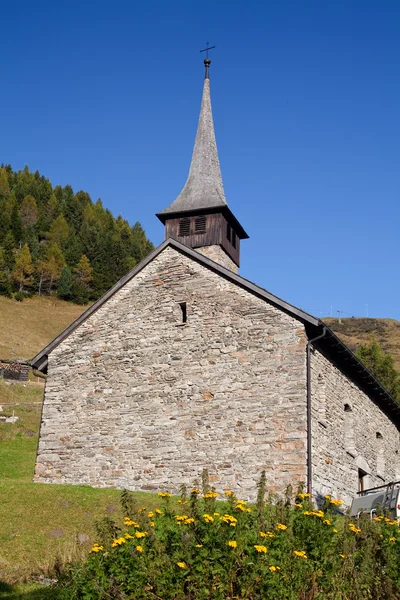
<point x="50" y="268"/>
<point x="65" y="283"/>
<point x="28" y="211"/>
<point x="83" y="270"/>
<point x="23" y="268"/>
<point x="381" y="366"/>
<point x="5" y="284"/>
<point x="59" y="231"/>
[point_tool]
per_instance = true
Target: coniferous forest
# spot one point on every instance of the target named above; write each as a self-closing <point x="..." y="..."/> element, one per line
<point x="55" y="241"/>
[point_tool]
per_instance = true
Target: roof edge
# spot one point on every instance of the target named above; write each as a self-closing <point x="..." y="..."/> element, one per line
<point x="39" y="361"/>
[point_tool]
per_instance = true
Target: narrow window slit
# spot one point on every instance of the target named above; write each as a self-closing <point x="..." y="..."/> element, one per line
<point x="184" y="227"/>
<point x="200" y="224"/>
<point x="184" y="311"/>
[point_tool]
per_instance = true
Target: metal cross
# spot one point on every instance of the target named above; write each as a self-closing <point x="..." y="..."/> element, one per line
<point x="207" y="49"/>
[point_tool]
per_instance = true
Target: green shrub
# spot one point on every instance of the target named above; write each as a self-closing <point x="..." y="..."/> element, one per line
<point x="199" y="548"/>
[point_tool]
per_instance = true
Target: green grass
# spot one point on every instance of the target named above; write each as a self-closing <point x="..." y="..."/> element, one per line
<point x="39" y="523"/>
<point x="25" y="592"/>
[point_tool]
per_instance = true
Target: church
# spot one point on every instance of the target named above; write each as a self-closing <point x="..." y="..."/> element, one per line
<point x="185" y="365"/>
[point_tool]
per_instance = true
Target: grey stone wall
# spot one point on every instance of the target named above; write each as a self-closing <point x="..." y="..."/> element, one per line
<point x="217" y="254"/>
<point x="137" y="399"/>
<point x="345" y="440"/>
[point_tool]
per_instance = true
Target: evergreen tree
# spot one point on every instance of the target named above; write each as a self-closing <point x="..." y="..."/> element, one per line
<point x="65" y="284"/>
<point x="28" y="211"/>
<point x="23" y="268"/>
<point x="8" y="246"/>
<point x="381" y="366"/>
<point x="59" y="231"/>
<point x="83" y="270"/>
<point x="5" y="284"/>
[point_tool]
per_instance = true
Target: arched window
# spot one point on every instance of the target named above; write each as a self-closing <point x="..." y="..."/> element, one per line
<point x="380" y="455"/>
<point x="349" y="440"/>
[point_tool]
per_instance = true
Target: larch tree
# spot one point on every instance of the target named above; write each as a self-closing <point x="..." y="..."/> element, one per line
<point x="22" y="272"/>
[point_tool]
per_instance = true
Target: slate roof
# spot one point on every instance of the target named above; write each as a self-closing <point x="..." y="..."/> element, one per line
<point x="330" y="344"/>
<point x="204" y="188"/>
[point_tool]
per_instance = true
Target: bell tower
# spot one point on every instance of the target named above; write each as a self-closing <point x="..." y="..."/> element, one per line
<point x="200" y="216"/>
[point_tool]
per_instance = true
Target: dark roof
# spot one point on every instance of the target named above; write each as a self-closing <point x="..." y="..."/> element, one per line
<point x="330" y="344"/>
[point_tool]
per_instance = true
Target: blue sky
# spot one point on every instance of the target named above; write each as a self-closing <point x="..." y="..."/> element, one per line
<point x="105" y="96"/>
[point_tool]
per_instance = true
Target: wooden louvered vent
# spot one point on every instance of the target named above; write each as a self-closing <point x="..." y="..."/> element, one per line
<point x="184" y="227"/>
<point x="200" y="224"/>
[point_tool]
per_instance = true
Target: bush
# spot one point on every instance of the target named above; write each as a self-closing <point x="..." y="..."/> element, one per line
<point x="199" y="548"/>
<point x="19" y="297"/>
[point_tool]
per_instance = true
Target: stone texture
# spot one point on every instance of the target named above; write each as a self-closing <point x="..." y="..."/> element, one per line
<point x="218" y="255"/>
<point x="339" y="449"/>
<point x="137" y="399"/>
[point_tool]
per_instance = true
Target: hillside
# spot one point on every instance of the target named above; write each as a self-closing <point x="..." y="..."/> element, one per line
<point x="355" y="331"/>
<point x="26" y="327"/>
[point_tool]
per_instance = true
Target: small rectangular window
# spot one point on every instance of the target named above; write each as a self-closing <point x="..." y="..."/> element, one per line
<point x="200" y="224"/>
<point x="228" y="231"/>
<point x="184" y="311"/>
<point x="233" y="239"/>
<point x="184" y="227"/>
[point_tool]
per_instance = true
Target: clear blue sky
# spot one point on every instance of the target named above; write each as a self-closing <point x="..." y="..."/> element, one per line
<point x="105" y="96"/>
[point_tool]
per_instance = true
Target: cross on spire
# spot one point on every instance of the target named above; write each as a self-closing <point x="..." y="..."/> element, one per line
<point x="207" y="61"/>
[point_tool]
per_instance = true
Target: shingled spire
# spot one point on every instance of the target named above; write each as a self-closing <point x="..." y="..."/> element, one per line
<point x="200" y="217"/>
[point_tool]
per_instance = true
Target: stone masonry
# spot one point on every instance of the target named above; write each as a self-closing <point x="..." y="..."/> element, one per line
<point x="218" y="255"/>
<point x="136" y="398"/>
<point x="343" y="441"/>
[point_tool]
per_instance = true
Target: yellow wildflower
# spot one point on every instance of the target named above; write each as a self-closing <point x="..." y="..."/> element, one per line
<point x="327" y="522"/>
<point x="336" y="502"/>
<point x="216" y="514"/>
<point x="298" y="505"/>
<point x="302" y="496"/>
<point x="150" y="514"/>
<point x="195" y="491"/>
<point x="392" y="539"/>
<point x="139" y="548"/>
<point x="342" y="555"/>
<point x="199" y="545"/>
<point x="181" y="517"/>
<point x="240" y="507"/>
<point x="261" y="548"/>
<point x="229" y="519"/>
<point x="334" y="530"/>
<point x="229" y="493"/>
<point x="164" y="494"/>
<point x="273" y="568"/>
<point x="377" y="518"/>
<point x="300" y="553"/>
<point x="327" y="497"/>
<point x="118" y="542"/>
<point x="140" y="534"/>
<point x="182" y="565"/>
<point x="97" y="548"/>
<point x="158" y="511"/>
<point x="232" y="544"/>
<point x="281" y="526"/>
<point x="267" y="534"/>
<point x="152" y="524"/>
<point x="189" y="521"/>
<point x="211" y="495"/>
<point x="208" y="518"/>
<point x="128" y="536"/>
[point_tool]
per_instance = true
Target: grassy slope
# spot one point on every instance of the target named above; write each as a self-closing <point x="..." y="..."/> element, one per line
<point x="356" y="331"/>
<point x="26" y="327"/>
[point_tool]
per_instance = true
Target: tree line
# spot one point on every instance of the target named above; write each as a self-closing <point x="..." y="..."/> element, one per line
<point x="53" y="241"/>
<point x="381" y="365"/>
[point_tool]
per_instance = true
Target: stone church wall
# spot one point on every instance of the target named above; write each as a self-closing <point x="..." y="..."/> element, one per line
<point x="349" y="432"/>
<point x="137" y="398"/>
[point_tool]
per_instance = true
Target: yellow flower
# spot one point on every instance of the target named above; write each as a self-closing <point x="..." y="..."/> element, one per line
<point x="392" y="539"/>
<point x="377" y="518"/>
<point x="261" y="548"/>
<point x="128" y="536"/>
<point x="342" y="555"/>
<point x="211" y="495"/>
<point x="336" y="502"/>
<point x="164" y="494"/>
<point x="302" y="496"/>
<point x="229" y="493"/>
<point x="216" y="514"/>
<point x="128" y="522"/>
<point x="118" y="542"/>
<point x="195" y="491"/>
<point x="298" y="505"/>
<point x="327" y="522"/>
<point x="189" y="521"/>
<point x="353" y="528"/>
<point x="152" y="524"/>
<point x="267" y="534"/>
<point x="273" y="568"/>
<point x="300" y="553"/>
<point x="139" y="548"/>
<point x="182" y="565"/>
<point x="140" y="534"/>
<point x="232" y="544"/>
<point x="334" y="530"/>
<point x="229" y="519"/>
<point x="158" y="511"/>
<point x="150" y="514"/>
<point x="327" y="497"/>
<point x="240" y="507"/>
<point x="199" y="545"/>
<point x="281" y="526"/>
<point x="208" y="518"/>
<point x="181" y="517"/>
<point x="97" y="548"/>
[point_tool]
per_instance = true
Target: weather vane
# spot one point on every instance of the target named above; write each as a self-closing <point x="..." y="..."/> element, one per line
<point x="207" y="61"/>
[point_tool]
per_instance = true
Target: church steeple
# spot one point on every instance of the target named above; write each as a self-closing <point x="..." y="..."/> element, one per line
<point x="200" y="217"/>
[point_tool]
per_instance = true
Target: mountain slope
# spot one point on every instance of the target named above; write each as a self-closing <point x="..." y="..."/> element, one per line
<point x="354" y="332"/>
